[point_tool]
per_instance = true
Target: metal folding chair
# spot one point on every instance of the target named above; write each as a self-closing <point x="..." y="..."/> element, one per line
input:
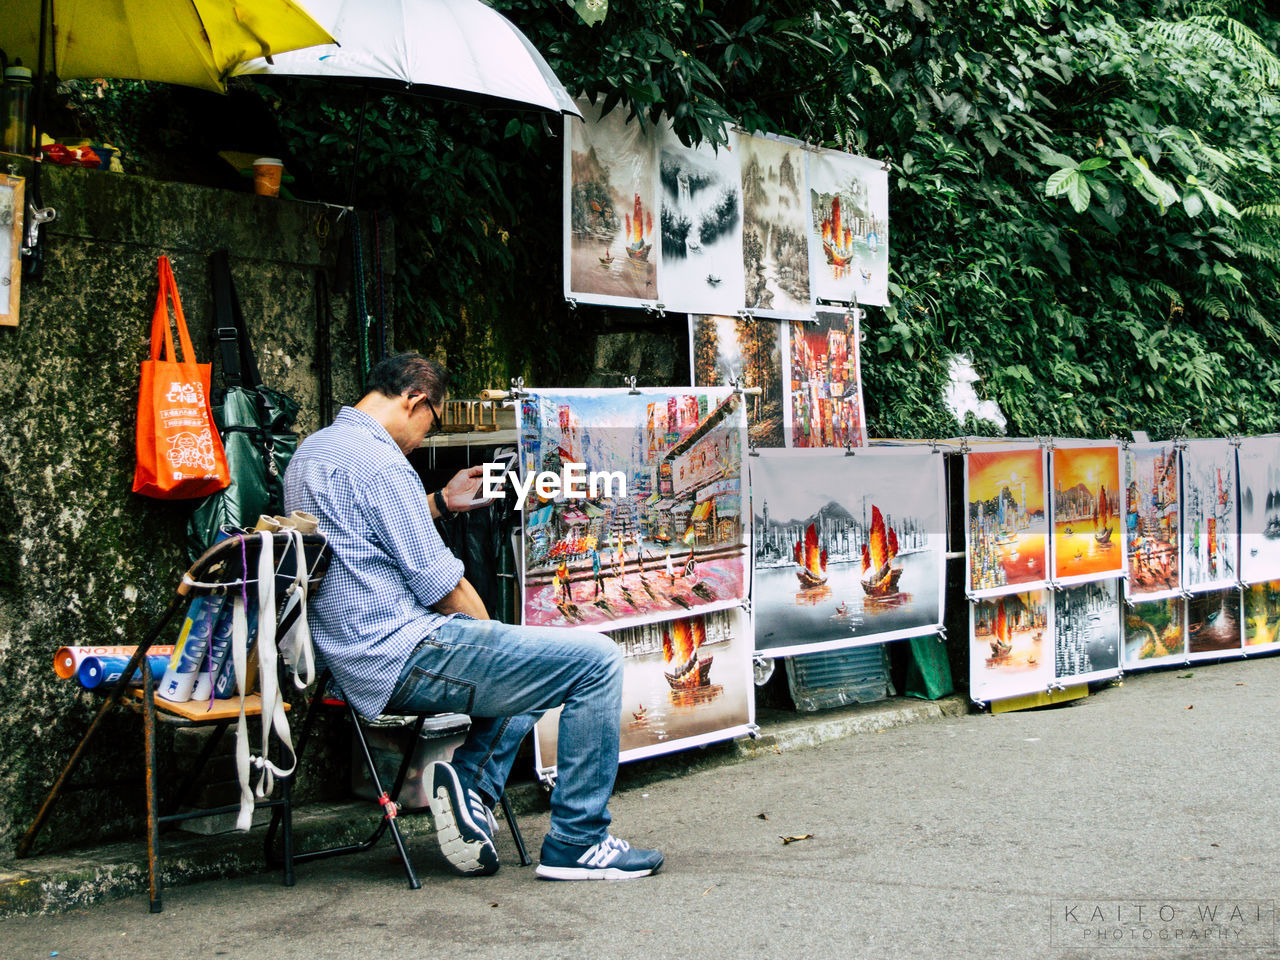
<point x="227" y="566"/>
<point x="323" y="697"/>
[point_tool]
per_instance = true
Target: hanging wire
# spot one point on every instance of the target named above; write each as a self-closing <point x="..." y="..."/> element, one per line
<point x="359" y="308"/>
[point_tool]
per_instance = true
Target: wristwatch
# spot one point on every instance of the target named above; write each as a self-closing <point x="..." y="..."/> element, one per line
<point x="442" y="509"/>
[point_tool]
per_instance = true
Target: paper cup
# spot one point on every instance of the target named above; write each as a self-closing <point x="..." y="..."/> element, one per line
<point x="266" y="176"/>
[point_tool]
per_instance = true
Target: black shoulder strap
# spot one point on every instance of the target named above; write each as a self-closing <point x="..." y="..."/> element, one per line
<point x="239" y="368"/>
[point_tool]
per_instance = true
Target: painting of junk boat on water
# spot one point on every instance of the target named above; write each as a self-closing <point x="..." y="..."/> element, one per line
<point x="847" y="550"/>
<point x="1087" y="539"/>
<point x="1011" y="645"/>
<point x="685" y="682"/>
<point x="653" y="528"/>
<point x="611" y="203"/>
<point x="1006" y="530"/>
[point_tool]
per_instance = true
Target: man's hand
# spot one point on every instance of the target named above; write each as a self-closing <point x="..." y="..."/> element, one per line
<point x="460" y="492"/>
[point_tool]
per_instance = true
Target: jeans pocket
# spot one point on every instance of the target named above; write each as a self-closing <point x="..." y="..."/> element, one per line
<point x="427" y="691"/>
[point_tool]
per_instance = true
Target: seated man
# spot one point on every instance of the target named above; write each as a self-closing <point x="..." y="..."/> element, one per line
<point x="404" y="632"/>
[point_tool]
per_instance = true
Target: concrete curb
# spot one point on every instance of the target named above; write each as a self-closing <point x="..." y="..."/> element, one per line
<point x="81" y="878"/>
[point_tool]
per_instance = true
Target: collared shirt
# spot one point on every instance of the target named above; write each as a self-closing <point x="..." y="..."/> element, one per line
<point x="389" y="566"/>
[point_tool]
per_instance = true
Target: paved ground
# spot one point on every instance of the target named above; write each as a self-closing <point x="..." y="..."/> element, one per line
<point x="1013" y="836"/>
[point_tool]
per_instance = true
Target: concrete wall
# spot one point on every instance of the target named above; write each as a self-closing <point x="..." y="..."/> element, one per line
<point x="82" y="559"/>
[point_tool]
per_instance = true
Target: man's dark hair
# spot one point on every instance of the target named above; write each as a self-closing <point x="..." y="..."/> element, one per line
<point x="409" y="373"/>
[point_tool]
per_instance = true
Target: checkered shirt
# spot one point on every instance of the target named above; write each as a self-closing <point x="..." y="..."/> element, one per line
<point x="389" y="565"/>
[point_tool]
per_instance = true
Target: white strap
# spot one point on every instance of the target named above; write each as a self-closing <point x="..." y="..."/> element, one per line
<point x="295" y="645"/>
<point x="239" y="658"/>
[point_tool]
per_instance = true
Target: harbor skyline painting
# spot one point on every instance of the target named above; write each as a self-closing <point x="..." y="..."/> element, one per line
<point x="846" y="550"/>
<point x="848" y="228"/>
<point x="1087" y="537"/>
<point x="1086" y="628"/>
<point x="1006" y="528"/>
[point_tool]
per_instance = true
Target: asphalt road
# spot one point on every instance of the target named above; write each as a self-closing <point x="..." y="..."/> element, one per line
<point x="1144" y="813"/>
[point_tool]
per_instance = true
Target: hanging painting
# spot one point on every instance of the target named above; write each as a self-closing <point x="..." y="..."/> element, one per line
<point x="1213" y="624"/>
<point x="1153" y="633"/>
<point x="1006" y="530"/>
<point x="701" y="226"/>
<point x="1087" y="540"/>
<point x="848" y="228"/>
<point x="725" y="349"/>
<point x="610" y="209"/>
<point x="634" y="506"/>
<point x="685" y="682"/>
<point x="824" y="385"/>
<point x="12" y="206"/>
<point x="1152" y="520"/>
<point x="1210" y="537"/>
<point x="775" y="247"/>
<point x="1011" y="648"/>
<point x="1261" y="602"/>
<point x="1259" y="459"/>
<point x="848" y="550"/>
<point x="1086" y="631"/>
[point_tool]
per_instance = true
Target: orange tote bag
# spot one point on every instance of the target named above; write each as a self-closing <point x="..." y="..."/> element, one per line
<point x="180" y="455"/>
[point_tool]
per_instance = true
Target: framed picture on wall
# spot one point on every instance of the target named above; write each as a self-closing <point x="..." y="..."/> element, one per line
<point x="11" y="209"/>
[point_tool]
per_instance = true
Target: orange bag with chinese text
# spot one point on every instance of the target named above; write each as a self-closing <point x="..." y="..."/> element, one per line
<point x="180" y="455"/>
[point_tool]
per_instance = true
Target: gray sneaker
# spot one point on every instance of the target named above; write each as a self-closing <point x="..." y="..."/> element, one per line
<point x="610" y="859"/>
<point x="464" y="825"/>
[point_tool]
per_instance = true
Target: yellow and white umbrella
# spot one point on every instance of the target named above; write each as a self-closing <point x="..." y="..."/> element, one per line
<point x="195" y="43"/>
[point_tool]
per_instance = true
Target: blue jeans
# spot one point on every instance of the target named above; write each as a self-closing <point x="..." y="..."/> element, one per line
<point x="505" y="677"/>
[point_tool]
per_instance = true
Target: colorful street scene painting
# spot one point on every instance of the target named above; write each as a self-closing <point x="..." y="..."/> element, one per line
<point x="1261" y="602"/>
<point x="701" y="226"/>
<point x="1153" y="633"/>
<point x="658" y="529"/>
<point x="1209" y="529"/>
<point x="1087" y="541"/>
<point x="775" y="246"/>
<point x="1213" y="624"/>
<point x="848" y="228"/>
<point x="1006" y="530"/>
<point x="611" y="208"/>
<point x="725" y="349"/>
<point x="1259" y="459"/>
<point x="685" y="682"/>
<point x="847" y="550"/>
<point x="1086" y="631"/>
<point x="1011" y="648"/>
<point x="1151" y="519"/>
<point x="824" y="385"/>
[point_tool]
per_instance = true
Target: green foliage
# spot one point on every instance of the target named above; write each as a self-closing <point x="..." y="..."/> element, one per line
<point x="1084" y="196"/>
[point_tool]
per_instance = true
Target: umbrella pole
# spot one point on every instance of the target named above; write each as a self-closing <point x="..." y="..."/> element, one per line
<point x="355" y="160"/>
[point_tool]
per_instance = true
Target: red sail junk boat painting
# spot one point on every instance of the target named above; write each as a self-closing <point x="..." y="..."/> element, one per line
<point x="1102" y="525"/>
<point x="812" y="559"/>
<point x="682" y="665"/>
<point x="1001" y="635"/>
<point x="639" y="224"/>
<point x="837" y="238"/>
<point x="879" y="575"/>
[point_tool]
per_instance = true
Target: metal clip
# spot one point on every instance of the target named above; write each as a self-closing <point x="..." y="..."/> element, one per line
<point x="572" y="302"/>
<point x="848" y="449"/>
<point x="36" y="217"/>
<point x="517" y="388"/>
<point x="964" y="446"/>
<point x="657" y="309"/>
<point x="631" y="382"/>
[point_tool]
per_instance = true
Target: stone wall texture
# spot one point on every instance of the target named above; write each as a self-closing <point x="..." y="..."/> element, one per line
<point x="82" y="559"/>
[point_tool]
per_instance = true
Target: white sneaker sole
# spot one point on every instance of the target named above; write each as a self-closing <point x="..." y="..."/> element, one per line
<point x="469" y="852"/>
<point x="589" y="873"/>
